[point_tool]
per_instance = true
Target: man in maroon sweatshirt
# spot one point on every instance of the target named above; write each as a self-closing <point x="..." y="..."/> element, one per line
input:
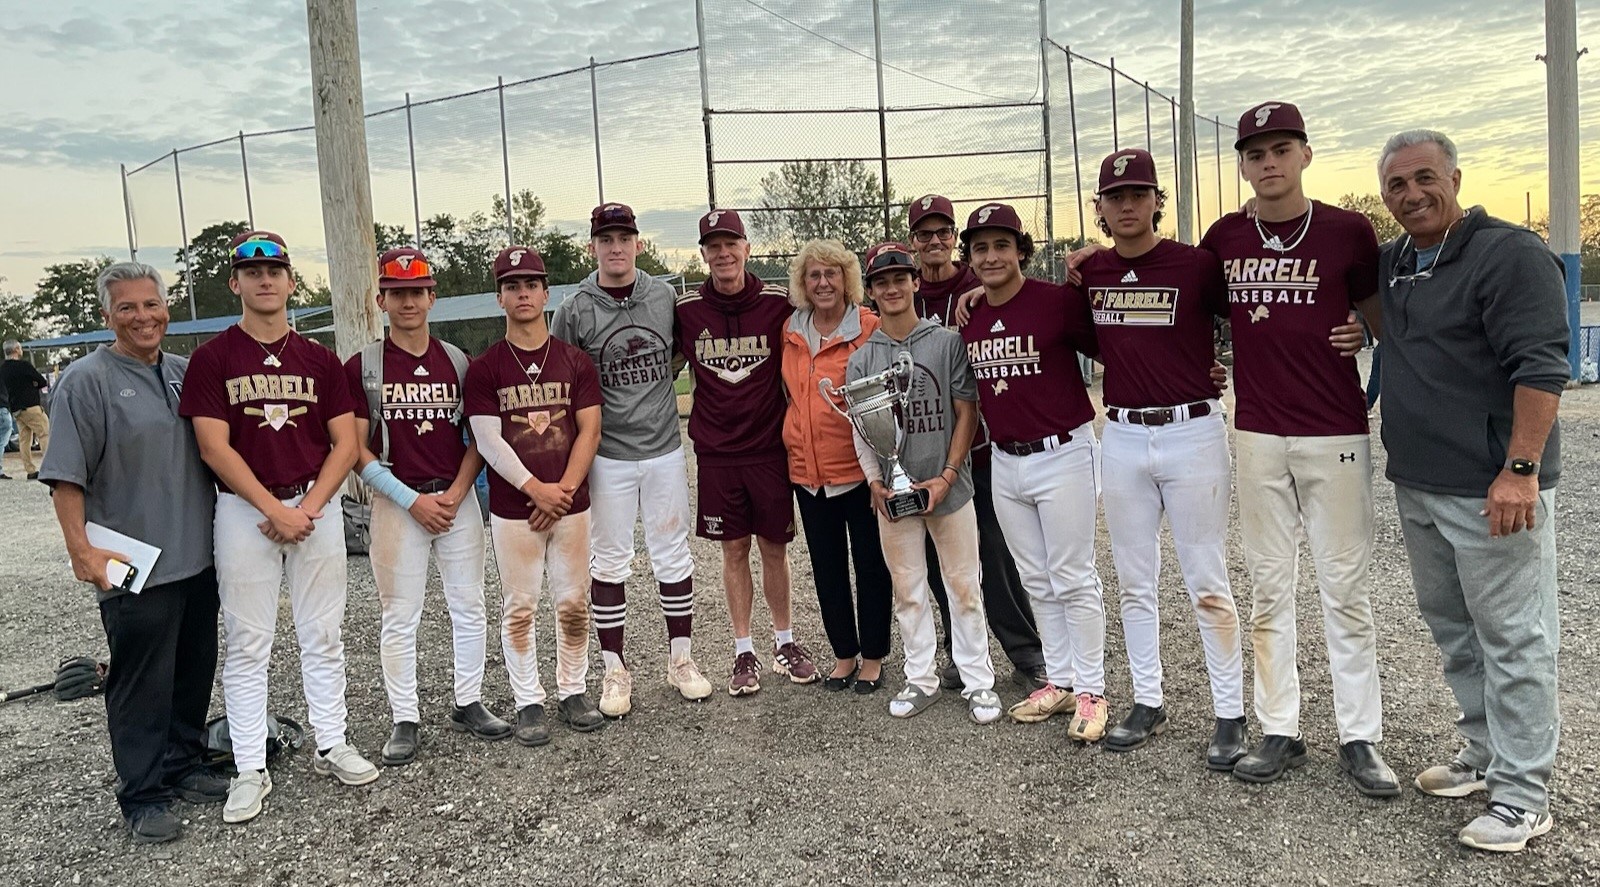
<point x="730" y="331"/>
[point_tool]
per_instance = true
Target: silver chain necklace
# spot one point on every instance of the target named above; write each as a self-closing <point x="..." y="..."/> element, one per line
<point x="533" y="377"/>
<point x="1275" y="243"/>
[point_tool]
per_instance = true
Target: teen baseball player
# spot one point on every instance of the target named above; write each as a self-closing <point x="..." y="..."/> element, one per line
<point x="1295" y="269"/>
<point x="731" y="331"/>
<point x="1165" y="448"/>
<point x="1021" y="340"/>
<point x="942" y="281"/>
<point x="534" y="404"/>
<point x="938" y="422"/>
<point x="415" y="456"/>
<point x="272" y="415"/>
<point x="622" y="317"/>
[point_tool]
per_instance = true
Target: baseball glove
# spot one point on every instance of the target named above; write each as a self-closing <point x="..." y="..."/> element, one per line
<point x="78" y="677"/>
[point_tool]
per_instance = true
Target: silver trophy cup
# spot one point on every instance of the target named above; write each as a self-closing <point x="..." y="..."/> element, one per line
<point x="876" y="406"/>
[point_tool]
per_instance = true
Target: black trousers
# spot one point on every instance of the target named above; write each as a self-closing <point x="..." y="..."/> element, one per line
<point x="163" y="663"/>
<point x="1005" y="601"/>
<point x="841" y="529"/>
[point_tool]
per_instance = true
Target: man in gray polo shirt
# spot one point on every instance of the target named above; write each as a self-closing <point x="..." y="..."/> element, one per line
<point x="122" y="458"/>
<point x="1474" y="362"/>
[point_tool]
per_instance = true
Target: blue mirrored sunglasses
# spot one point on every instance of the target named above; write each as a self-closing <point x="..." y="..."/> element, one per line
<point x="259" y="249"/>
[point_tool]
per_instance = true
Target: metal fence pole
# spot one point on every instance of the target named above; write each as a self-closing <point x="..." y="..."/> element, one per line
<point x="1149" y="136"/>
<point x="883" y="118"/>
<point x="1116" y="136"/>
<point x="183" y="231"/>
<point x="1216" y="130"/>
<point x="705" y="103"/>
<point x="127" y="214"/>
<point x="1077" y="169"/>
<point x="244" y="164"/>
<point x="505" y="160"/>
<point x="416" y="201"/>
<point x="1175" y="164"/>
<point x="594" y="106"/>
<point x="1044" y="116"/>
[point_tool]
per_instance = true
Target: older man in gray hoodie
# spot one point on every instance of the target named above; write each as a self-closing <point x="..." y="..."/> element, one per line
<point x="1474" y="362"/>
<point x="623" y="318"/>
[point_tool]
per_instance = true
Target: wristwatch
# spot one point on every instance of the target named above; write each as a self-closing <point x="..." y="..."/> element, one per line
<point x="1524" y="467"/>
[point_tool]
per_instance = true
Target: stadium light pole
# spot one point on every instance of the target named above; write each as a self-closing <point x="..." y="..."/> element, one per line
<point x="342" y="171"/>
<point x="1561" y="93"/>
<point x="1186" y="165"/>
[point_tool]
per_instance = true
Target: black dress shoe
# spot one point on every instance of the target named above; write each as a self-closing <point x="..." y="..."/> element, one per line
<point x="480" y="722"/>
<point x="1029" y="677"/>
<point x="154" y="825"/>
<point x="950" y="677"/>
<point x="1136" y="729"/>
<point x="1270" y="759"/>
<point x="1372" y="776"/>
<point x="841" y="683"/>
<point x="580" y="713"/>
<point x="201" y="786"/>
<point x="865" y="687"/>
<point x="531" y="728"/>
<point x="1227" y="744"/>
<point x="401" y="749"/>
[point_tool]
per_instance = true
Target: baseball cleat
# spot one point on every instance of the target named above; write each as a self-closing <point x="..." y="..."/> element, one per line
<point x="616" y="692"/>
<point x="1041" y="704"/>
<point x="683" y="674"/>
<point x="1141" y="725"/>
<point x="345" y="764"/>
<point x="1089" y="720"/>
<point x="245" y="794"/>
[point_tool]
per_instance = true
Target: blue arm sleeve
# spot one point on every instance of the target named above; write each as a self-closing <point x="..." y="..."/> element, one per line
<point x="383" y="481"/>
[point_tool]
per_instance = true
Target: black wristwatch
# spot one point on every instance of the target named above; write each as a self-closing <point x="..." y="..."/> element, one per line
<point x="1524" y="467"/>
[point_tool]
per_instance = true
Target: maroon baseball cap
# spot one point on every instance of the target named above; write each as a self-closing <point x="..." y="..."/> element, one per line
<point x="612" y="215"/>
<point x="405" y="267"/>
<point x="262" y="247"/>
<point x="931" y="205"/>
<point x="1270" y="117"/>
<point x="518" y="261"/>
<point x="992" y="215"/>
<point x="722" y="221"/>
<point x="1129" y="167"/>
<point x="890" y="256"/>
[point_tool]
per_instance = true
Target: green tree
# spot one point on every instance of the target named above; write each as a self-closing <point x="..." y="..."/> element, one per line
<point x="809" y="199"/>
<point x="694" y="270"/>
<point x="1372" y="206"/>
<point x="16" y="317"/>
<point x="651" y="261"/>
<point x="66" y="300"/>
<point x="388" y="237"/>
<point x="205" y="265"/>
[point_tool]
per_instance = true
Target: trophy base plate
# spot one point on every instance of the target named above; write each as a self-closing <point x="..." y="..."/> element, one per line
<point x="908" y="503"/>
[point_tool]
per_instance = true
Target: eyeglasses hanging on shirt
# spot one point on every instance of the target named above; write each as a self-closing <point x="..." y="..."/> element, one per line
<point x="1423" y="260"/>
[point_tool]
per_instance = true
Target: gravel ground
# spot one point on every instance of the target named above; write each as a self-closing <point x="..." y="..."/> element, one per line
<point x="795" y="785"/>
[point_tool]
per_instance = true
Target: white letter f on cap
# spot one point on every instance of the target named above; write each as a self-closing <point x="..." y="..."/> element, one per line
<point x="983" y="214"/>
<point x="713" y="217"/>
<point x="516" y="256"/>
<point x="1120" y="165"/>
<point x="1263" y="112"/>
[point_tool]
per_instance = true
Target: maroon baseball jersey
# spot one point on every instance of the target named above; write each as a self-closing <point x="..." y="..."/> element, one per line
<point x="536" y="395"/>
<point x="620" y="293"/>
<point x="733" y="345"/>
<point x="1023" y="354"/>
<point x="1153" y="318"/>
<point x="1289" y="380"/>
<point x="276" y="397"/>
<point x="419" y="397"/>
<point x="936" y="300"/>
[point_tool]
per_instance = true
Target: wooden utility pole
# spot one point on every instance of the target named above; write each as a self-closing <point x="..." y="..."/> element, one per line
<point x="1186" y="171"/>
<point x="342" y="170"/>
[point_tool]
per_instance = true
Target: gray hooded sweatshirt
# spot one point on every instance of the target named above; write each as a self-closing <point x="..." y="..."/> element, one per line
<point x="630" y="342"/>
<point x="1492" y="316"/>
<point x="941" y="376"/>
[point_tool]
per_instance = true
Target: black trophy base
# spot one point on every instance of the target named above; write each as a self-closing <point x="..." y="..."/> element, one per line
<point x="908" y="503"/>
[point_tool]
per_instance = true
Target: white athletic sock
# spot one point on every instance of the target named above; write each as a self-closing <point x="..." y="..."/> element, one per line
<point x="680" y="648"/>
<point x="610" y="659"/>
<point x="743" y="645"/>
<point x="784" y="637"/>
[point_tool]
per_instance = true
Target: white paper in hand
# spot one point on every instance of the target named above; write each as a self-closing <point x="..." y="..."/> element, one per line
<point x="140" y="554"/>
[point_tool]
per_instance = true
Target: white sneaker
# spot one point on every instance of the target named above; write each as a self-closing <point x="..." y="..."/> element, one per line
<point x="245" y="793"/>
<point x="345" y="764"/>
<point x="685" y="675"/>
<point x="616" y="692"/>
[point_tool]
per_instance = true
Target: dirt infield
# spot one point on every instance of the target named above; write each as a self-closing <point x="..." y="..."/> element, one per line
<point x="794" y="785"/>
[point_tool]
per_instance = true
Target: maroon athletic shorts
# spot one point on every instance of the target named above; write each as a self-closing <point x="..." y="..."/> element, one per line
<point x="738" y="500"/>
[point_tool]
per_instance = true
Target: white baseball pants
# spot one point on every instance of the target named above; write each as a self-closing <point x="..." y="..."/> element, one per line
<point x="955" y="535"/>
<point x="1046" y="506"/>
<point x="399" y="555"/>
<point x="523" y="556"/>
<point x="249" y="569"/>
<point x="619" y="492"/>
<point x="1323" y="484"/>
<point x="1180" y="469"/>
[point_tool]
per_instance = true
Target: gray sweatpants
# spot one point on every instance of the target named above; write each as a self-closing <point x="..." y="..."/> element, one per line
<point x="1491" y="605"/>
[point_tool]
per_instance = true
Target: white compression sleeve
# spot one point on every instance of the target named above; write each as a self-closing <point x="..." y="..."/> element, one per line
<point x="497" y="452"/>
<point x="867" y="457"/>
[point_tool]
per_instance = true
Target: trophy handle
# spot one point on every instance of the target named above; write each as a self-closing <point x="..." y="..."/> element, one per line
<point x="829" y="395"/>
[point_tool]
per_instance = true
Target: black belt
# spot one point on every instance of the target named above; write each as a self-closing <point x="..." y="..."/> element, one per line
<point x="1029" y="447"/>
<point x="288" y="492"/>
<point x="1158" y="415"/>
<point x="433" y="486"/>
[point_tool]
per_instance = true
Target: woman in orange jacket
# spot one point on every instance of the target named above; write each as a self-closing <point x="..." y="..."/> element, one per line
<point x="828" y="325"/>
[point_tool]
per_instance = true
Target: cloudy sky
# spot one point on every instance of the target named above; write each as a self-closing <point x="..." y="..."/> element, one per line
<point x="95" y="83"/>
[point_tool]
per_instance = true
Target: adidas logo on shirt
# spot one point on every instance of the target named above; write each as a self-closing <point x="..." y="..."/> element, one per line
<point x="999" y="327"/>
<point x="1130" y="277"/>
<point x="420" y="371"/>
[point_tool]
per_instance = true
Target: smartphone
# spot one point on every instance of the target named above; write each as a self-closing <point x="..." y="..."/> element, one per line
<point x="120" y="575"/>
